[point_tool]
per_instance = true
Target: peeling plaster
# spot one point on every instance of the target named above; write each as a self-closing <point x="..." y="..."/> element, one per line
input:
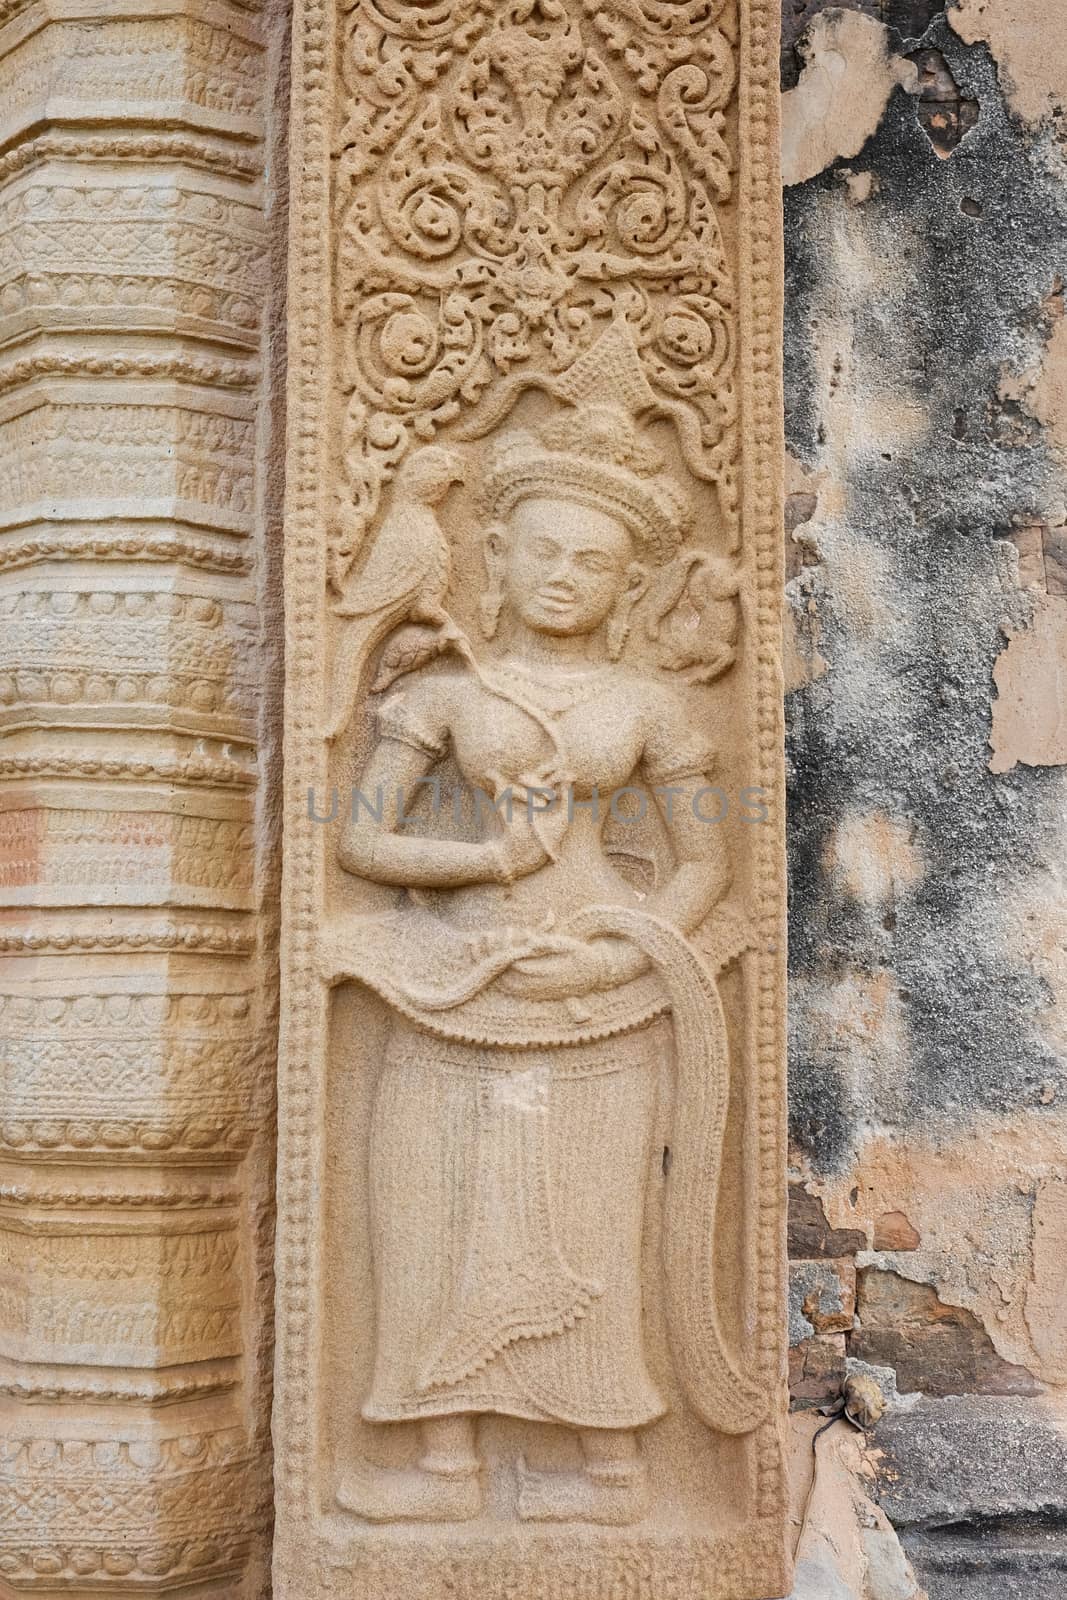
<point x="1033" y="921"/>
<point x="849" y="73"/>
<point x="1041" y="387"/>
<point x="987" y="1242"/>
<point x="1046" y="1293"/>
<point x="1030" y="710"/>
<point x="1028" y="38"/>
<point x="1048" y="399"/>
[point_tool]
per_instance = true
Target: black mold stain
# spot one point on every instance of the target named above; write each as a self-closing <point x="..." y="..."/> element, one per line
<point x="968" y="307"/>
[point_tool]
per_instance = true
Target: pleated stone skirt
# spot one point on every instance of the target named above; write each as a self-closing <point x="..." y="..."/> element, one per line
<point x="507" y="1196"/>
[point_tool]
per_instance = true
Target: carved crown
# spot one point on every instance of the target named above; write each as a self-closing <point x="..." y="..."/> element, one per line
<point x="594" y="456"/>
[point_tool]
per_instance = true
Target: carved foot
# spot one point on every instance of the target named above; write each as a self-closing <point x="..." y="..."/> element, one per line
<point x="411" y="1494"/>
<point x="614" y="1495"/>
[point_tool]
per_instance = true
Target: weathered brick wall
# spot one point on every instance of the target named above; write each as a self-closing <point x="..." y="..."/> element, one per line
<point x="926" y="221"/>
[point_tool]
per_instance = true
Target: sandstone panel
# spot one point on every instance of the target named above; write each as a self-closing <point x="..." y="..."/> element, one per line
<point x="531" y="1208"/>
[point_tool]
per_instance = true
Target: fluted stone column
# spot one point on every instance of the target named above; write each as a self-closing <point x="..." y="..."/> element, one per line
<point x="135" y="1068"/>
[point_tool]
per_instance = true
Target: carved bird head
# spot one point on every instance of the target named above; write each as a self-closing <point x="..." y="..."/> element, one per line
<point x="427" y="474"/>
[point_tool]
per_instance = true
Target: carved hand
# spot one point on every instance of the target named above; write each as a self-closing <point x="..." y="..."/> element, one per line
<point x="535" y="828"/>
<point x="579" y="967"/>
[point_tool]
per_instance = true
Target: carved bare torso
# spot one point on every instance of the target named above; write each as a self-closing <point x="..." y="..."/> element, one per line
<point x="594" y="732"/>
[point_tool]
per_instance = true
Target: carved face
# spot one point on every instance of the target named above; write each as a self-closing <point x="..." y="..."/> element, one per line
<point x="564" y="567"/>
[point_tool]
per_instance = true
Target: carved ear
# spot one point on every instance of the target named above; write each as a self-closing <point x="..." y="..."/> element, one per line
<point x="638" y="579"/>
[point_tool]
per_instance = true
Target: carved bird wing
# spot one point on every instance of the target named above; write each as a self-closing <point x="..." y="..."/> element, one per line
<point x="406" y="552"/>
<point x="404" y="578"/>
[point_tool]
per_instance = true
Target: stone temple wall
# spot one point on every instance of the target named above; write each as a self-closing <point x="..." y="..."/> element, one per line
<point x="926" y="226"/>
<point x="141" y="341"/>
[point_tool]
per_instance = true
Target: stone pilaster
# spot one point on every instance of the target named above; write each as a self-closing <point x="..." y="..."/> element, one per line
<point x="134" y="1063"/>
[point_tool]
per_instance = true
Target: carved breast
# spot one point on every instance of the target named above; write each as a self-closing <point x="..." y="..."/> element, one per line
<point x="594" y="744"/>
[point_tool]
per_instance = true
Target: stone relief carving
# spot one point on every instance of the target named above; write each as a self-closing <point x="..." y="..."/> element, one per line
<point x="531" y="1083"/>
<point x="497" y="216"/>
<point x="520" y="1074"/>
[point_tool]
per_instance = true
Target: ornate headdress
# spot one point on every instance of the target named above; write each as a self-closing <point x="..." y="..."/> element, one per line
<point x="591" y="455"/>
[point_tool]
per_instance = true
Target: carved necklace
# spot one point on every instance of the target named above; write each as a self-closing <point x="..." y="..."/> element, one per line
<point x="553" y="694"/>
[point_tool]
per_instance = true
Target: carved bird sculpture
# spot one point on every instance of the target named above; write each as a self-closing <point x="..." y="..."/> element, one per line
<point x="404" y="578"/>
<point x="694" y="616"/>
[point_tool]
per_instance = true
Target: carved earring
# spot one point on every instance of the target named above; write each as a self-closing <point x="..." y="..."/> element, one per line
<point x="619" y="629"/>
<point x="491" y="602"/>
<point x="621" y="619"/>
<point x="489" y="608"/>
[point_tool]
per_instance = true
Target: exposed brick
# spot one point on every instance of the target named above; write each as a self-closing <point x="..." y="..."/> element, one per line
<point x="893" y="1231"/>
<point x="817" y="1370"/>
<point x="822" y="1297"/>
<point x="934" y="1349"/>
<point x="811" y="1236"/>
<point x="945" y="114"/>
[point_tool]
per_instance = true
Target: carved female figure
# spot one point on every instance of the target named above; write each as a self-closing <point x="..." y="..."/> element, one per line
<point x="529" y="982"/>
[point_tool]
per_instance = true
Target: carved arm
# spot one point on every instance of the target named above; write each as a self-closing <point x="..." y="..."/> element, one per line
<point x="372" y="848"/>
<point x="700" y="878"/>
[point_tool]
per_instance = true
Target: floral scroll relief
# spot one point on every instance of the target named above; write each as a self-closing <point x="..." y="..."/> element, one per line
<point x="509" y="186"/>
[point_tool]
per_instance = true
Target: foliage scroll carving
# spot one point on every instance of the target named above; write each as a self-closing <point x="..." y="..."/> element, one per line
<point x="505" y="190"/>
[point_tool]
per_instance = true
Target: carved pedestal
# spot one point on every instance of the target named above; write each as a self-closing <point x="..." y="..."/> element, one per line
<point x="532" y="1105"/>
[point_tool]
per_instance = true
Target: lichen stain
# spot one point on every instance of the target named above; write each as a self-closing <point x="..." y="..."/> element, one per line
<point x="849" y="73"/>
<point x="1029" y="42"/>
<point x="1030" y="709"/>
<point x="925" y="1010"/>
<point x="857" y="1025"/>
